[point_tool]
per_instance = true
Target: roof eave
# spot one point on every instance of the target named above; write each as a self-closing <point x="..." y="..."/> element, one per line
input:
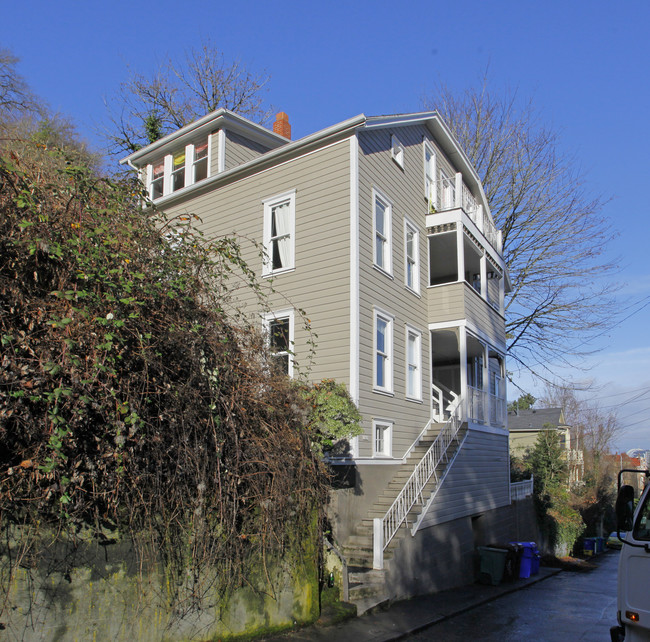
<point x="221" y="118"/>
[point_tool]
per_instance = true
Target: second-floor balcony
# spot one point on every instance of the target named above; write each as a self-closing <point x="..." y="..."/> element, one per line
<point x="449" y="193"/>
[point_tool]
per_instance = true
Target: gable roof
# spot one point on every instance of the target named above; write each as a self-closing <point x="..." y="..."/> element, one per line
<point x="279" y="147"/>
<point x="534" y="419"/>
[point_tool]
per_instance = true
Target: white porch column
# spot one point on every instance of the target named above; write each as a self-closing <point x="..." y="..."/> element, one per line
<point x="484" y="284"/>
<point x="458" y="189"/>
<point x="460" y="251"/>
<point x="485" y="393"/>
<point x="462" y="336"/>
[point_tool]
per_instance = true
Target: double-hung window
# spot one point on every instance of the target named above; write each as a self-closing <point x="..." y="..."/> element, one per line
<point x="278" y="327"/>
<point x="382" y="230"/>
<point x="383" y="375"/>
<point x="397" y="150"/>
<point x="430" y="176"/>
<point x="186" y="166"/>
<point x="200" y="162"/>
<point x="279" y="233"/>
<point x="156" y="184"/>
<point x="411" y="256"/>
<point x="413" y="364"/>
<point x="382" y="438"/>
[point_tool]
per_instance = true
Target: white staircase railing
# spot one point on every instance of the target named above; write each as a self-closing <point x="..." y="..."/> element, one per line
<point x="385" y="528"/>
<point x="443" y="400"/>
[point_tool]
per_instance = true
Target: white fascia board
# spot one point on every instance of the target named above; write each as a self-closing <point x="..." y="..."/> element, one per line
<point x="458" y="216"/>
<point x="270" y="158"/>
<point x="221" y="118"/>
<point x="474" y="330"/>
<point x="443" y="136"/>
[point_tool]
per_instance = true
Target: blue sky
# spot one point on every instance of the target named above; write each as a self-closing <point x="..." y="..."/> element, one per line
<point x="584" y="63"/>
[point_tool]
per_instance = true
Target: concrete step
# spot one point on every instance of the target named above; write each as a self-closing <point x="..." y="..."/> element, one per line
<point x="369" y="577"/>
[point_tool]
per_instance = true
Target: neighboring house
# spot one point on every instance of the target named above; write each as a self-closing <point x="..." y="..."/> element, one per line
<point x="525" y="425"/>
<point x="625" y="461"/>
<point x="377" y="227"/>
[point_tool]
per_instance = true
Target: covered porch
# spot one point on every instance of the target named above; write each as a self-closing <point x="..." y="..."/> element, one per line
<point x="468" y="374"/>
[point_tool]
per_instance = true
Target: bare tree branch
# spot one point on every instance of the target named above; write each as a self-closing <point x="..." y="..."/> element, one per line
<point x="179" y="92"/>
<point x="553" y="233"/>
<point x="15" y="96"/>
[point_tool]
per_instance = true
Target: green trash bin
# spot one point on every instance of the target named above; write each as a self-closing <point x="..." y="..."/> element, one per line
<point x="492" y="562"/>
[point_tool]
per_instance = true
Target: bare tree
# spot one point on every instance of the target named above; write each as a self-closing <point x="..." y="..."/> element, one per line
<point x="148" y="107"/>
<point x="554" y="236"/>
<point x="26" y="120"/>
<point x="593" y="429"/>
<point x="16" y="98"/>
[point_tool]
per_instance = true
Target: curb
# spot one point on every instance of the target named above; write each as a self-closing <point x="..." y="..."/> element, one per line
<point x="514" y="589"/>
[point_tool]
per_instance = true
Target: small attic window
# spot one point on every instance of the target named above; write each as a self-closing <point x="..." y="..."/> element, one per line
<point x="397" y="150"/>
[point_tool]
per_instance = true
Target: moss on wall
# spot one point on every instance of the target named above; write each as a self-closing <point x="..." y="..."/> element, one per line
<point x="75" y="590"/>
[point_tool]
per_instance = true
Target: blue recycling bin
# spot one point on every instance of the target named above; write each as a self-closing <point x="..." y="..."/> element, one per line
<point x="589" y="546"/>
<point x="529" y="560"/>
<point x="534" y="565"/>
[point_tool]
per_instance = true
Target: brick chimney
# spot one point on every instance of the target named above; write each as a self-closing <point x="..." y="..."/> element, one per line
<point x="281" y="125"/>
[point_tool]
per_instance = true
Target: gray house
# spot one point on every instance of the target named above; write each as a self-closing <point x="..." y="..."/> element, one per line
<point x="379" y="228"/>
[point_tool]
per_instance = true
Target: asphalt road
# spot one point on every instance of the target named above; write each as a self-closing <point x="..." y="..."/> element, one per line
<point x="569" y="606"/>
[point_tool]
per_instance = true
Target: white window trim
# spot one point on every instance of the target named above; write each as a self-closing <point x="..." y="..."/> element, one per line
<point x="269" y="204"/>
<point x="408" y="225"/>
<point x="397" y="150"/>
<point x="387" y="387"/>
<point x="190" y="152"/>
<point x="266" y="326"/>
<point x="388" y="237"/>
<point x="415" y="395"/>
<point x="169" y="168"/>
<point x="431" y="197"/>
<point x="387" y="450"/>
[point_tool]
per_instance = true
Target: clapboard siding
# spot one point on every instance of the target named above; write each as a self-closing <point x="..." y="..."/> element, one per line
<point x="478" y="481"/>
<point x="240" y="150"/>
<point x="404" y="188"/>
<point x="320" y="282"/>
<point x="446" y="303"/>
<point x="482" y="315"/>
<point x="456" y="301"/>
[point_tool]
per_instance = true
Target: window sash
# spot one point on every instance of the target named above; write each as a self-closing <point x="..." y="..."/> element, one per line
<point x="279" y="230"/>
<point x="382" y="232"/>
<point x="382" y="438"/>
<point x="413" y="365"/>
<point x="383" y="378"/>
<point x="278" y="329"/>
<point x="411" y="254"/>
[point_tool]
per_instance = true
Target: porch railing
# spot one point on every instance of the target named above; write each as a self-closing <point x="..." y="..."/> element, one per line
<point x="521" y="490"/>
<point x="385" y="528"/>
<point x="476" y="404"/>
<point x="451" y="192"/>
<point x="497" y="411"/>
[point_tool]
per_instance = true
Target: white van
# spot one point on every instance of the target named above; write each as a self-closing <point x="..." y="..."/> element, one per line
<point x="634" y="564"/>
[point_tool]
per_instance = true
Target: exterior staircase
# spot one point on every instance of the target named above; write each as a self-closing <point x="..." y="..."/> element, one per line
<point x="367" y="585"/>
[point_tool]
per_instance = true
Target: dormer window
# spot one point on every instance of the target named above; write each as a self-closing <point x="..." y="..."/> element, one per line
<point x="200" y="165"/>
<point x="157" y="180"/>
<point x="180" y="169"/>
